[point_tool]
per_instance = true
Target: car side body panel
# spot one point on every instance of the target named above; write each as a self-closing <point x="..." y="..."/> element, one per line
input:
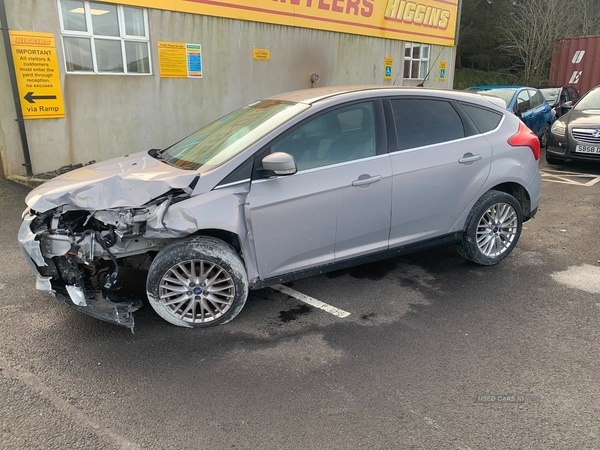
<point x="432" y="189"/>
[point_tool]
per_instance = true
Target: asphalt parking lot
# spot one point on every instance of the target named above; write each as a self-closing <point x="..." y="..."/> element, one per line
<point x="435" y="352"/>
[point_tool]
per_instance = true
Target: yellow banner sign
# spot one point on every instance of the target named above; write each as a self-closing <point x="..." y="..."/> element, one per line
<point x="426" y="21"/>
<point x="38" y="78"/>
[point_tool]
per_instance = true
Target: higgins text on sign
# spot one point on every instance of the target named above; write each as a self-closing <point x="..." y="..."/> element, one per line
<point x="37" y="73"/>
<point x="426" y="21"/>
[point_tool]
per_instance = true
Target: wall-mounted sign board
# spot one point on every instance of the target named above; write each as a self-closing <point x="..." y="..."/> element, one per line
<point x="38" y="79"/>
<point x="261" y="54"/>
<point x="388" y="66"/>
<point x="179" y="60"/>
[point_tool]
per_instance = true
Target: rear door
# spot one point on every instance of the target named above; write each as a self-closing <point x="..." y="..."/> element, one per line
<point x="338" y="203"/>
<point x="523" y="109"/>
<point x="540" y="111"/>
<point x="439" y="165"/>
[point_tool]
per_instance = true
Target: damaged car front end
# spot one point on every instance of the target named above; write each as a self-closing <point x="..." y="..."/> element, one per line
<point x="76" y="249"/>
<point x="177" y="214"/>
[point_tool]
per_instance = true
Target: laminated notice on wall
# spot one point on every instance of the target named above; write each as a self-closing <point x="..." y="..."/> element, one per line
<point x="179" y="60"/>
<point x="38" y="77"/>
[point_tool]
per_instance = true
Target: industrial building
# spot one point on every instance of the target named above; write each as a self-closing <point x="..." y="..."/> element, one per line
<point x="84" y="80"/>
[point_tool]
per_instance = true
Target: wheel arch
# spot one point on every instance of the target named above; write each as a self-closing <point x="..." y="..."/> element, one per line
<point x="519" y="193"/>
<point x="226" y="236"/>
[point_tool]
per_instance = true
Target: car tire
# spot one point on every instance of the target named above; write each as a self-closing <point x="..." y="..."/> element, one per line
<point x="492" y="229"/>
<point x="544" y="135"/>
<point x="198" y="282"/>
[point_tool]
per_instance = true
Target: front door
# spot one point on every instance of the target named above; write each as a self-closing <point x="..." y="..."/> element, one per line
<point x="336" y="206"/>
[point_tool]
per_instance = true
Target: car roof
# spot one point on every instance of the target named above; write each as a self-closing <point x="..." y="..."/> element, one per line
<point x="497" y="87"/>
<point x="311" y="96"/>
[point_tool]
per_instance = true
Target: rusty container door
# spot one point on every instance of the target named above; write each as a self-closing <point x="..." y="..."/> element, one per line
<point x="576" y="62"/>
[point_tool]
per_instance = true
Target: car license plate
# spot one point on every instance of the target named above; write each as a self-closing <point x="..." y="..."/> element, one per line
<point x="587" y="149"/>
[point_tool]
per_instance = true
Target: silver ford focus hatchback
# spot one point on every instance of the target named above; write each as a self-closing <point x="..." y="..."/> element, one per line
<point x="291" y="186"/>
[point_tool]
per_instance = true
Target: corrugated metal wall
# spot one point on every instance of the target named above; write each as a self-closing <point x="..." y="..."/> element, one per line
<point x="112" y="115"/>
<point x="576" y="62"/>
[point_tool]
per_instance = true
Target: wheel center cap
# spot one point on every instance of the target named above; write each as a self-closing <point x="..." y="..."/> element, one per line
<point x="495" y="229"/>
<point x="197" y="291"/>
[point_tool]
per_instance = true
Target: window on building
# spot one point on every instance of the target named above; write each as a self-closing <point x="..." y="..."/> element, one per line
<point x="416" y="60"/>
<point x="104" y="38"/>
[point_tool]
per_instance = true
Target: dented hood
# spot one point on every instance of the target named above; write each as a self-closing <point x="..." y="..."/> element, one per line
<point x="129" y="181"/>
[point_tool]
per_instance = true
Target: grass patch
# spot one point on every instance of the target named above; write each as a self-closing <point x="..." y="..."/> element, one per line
<point x="464" y="78"/>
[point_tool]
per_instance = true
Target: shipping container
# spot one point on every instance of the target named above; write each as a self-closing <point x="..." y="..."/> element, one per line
<point x="576" y="62"/>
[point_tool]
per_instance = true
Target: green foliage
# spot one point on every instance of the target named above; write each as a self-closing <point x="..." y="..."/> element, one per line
<point x="464" y="78"/>
<point x="515" y="37"/>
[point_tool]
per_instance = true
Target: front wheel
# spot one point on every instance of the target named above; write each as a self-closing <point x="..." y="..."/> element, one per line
<point x="198" y="282"/>
<point x="544" y="136"/>
<point x="492" y="229"/>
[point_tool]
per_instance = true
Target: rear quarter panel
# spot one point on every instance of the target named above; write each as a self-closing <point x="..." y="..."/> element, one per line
<point x="509" y="165"/>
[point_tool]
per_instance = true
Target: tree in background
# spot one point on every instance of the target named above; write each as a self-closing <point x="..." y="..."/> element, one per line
<point x="532" y="26"/>
<point x="516" y="36"/>
<point x="479" y="37"/>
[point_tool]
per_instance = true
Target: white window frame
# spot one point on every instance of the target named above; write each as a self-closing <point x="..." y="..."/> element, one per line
<point x="421" y="59"/>
<point x="123" y="37"/>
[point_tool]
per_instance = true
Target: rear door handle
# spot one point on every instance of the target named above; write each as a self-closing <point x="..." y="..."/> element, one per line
<point x="364" y="181"/>
<point x="469" y="158"/>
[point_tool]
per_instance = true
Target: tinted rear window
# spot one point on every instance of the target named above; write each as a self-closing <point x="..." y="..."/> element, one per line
<point x="484" y="119"/>
<point x="421" y="122"/>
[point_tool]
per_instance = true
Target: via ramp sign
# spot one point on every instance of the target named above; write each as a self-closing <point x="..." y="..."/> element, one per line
<point x="38" y="78"/>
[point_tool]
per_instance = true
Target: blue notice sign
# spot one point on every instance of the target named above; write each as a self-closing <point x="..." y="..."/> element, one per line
<point x="194" y="60"/>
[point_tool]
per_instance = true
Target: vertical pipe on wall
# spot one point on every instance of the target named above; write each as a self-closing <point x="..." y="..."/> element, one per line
<point x="15" y="89"/>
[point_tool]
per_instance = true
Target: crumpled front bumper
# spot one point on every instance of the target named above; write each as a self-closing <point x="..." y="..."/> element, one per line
<point x="106" y="305"/>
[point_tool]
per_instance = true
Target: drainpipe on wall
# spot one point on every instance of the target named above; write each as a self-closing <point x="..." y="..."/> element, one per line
<point x="15" y="89"/>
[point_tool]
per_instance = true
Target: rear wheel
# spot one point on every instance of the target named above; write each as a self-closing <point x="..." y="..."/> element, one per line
<point x="492" y="228"/>
<point x="199" y="282"/>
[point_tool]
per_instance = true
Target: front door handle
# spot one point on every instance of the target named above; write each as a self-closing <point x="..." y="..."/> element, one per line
<point x="364" y="181"/>
<point x="469" y="158"/>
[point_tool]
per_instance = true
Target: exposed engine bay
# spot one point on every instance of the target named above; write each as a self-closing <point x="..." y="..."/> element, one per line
<point x="78" y="253"/>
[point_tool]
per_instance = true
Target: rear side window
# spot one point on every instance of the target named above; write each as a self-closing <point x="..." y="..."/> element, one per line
<point x="536" y="98"/>
<point x="421" y="122"/>
<point x="523" y="104"/>
<point x="484" y="119"/>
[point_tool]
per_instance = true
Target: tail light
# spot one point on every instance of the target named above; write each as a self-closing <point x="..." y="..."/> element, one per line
<point x="526" y="138"/>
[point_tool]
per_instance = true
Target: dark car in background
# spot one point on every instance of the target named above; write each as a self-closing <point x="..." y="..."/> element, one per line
<point x="527" y="103"/>
<point x="576" y="135"/>
<point x="560" y="99"/>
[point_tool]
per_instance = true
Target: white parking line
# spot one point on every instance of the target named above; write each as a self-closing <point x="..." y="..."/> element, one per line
<point x="311" y="301"/>
<point x="559" y="176"/>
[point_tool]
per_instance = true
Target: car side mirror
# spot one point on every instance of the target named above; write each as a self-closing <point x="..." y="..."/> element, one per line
<point x="567" y="105"/>
<point x="280" y="164"/>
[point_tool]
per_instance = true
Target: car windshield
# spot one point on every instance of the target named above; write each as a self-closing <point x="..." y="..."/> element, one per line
<point x="591" y="100"/>
<point x="551" y="95"/>
<point x="225" y="138"/>
<point x="505" y="94"/>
